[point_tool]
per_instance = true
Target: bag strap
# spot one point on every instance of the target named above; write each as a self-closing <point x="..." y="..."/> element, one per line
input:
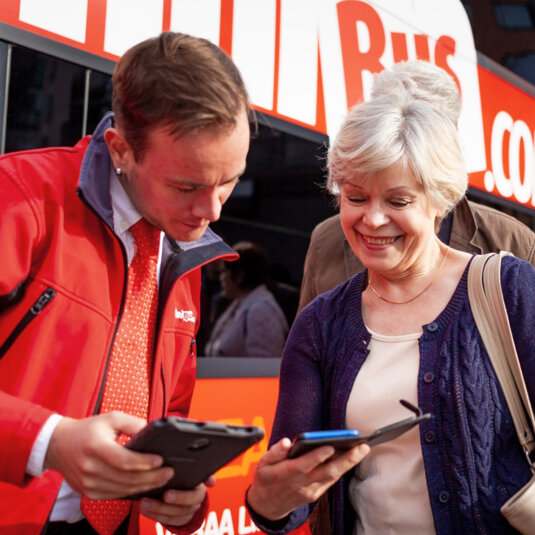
<point x="490" y="314"/>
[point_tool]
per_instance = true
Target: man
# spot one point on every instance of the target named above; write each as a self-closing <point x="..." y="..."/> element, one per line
<point x="471" y="227"/>
<point x="102" y="245"/>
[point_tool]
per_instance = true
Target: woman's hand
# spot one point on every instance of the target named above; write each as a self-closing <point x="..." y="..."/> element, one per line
<point x="282" y="485"/>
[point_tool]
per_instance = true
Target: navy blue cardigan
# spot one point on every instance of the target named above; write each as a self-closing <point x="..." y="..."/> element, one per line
<point x="473" y="461"/>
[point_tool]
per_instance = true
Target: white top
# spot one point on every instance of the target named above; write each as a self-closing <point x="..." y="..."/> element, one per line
<point x="388" y="489"/>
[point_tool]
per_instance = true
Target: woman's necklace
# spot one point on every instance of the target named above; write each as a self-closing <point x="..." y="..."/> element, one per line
<point x="418" y="294"/>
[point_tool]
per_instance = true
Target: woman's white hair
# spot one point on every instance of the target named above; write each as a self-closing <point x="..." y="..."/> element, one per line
<point x="398" y="130"/>
<point x="423" y="81"/>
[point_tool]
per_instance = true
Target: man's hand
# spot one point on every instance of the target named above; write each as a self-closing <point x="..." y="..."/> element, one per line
<point x="282" y="485"/>
<point x="178" y="506"/>
<point x="93" y="464"/>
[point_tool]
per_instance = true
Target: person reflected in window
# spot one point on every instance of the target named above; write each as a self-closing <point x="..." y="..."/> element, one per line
<point x="285" y="290"/>
<point x="253" y="325"/>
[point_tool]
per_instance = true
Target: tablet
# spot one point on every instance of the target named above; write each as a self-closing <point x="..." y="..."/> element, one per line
<point x="194" y="449"/>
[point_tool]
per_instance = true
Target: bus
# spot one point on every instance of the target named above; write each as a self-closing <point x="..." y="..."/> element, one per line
<point x="305" y="62"/>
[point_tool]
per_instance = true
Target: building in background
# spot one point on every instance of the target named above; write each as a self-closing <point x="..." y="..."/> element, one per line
<point x="504" y="31"/>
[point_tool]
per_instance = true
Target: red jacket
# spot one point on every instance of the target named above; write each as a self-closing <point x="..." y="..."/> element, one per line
<point x="62" y="283"/>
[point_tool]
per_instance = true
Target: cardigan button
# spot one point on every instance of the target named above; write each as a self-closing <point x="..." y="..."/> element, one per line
<point x="429" y="377"/>
<point x="429" y="437"/>
<point x="444" y="497"/>
<point x="432" y="327"/>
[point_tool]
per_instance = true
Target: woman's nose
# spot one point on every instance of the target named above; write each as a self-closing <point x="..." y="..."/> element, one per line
<point x="375" y="217"/>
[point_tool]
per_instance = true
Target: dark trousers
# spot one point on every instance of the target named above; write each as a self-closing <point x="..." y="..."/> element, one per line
<point x="79" y="528"/>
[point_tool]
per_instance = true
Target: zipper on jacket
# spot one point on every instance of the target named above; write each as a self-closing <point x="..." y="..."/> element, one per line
<point x="123" y="297"/>
<point x="164" y="393"/>
<point x="36" y="309"/>
<point x="119" y="318"/>
<point x="100" y="395"/>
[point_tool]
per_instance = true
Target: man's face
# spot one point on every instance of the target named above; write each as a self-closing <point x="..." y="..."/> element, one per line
<point x="181" y="184"/>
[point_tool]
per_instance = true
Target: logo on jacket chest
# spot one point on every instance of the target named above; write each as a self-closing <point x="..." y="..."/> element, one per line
<point x="185" y="315"/>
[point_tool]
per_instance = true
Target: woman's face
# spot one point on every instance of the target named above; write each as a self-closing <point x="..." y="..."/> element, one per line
<point x="389" y="222"/>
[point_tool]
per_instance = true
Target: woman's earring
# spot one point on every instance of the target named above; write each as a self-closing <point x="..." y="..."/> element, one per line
<point x="118" y="171"/>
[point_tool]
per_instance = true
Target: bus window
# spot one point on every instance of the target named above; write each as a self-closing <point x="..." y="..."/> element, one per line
<point x="276" y="204"/>
<point x="99" y="99"/>
<point x="279" y="199"/>
<point x="45" y="101"/>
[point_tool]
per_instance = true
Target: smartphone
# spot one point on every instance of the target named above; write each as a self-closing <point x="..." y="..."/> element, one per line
<point x="194" y="449"/>
<point x="344" y="439"/>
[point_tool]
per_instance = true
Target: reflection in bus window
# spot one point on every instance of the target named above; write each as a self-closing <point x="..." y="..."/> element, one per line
<point x="522" y="64"/>
<point x="276" y="204"/>
<point x="253" y="324"/>
<point x="279" y="199"/>
<point x="513" y="16"/>
<point x="99" y="99"/>
<point x="46" y="99"/>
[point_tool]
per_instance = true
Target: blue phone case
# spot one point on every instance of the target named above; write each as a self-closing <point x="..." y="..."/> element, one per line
<point x="333" y="433"/>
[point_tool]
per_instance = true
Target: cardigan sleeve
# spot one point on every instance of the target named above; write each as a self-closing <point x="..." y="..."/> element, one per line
<point x="518" y="285"/>
<point x="300" y="402"/>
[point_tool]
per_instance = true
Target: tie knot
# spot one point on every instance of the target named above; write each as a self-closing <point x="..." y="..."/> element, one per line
<point x="147" y="238"/>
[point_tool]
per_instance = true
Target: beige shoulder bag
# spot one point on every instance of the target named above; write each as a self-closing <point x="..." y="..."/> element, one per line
<point x="490" y="314"/>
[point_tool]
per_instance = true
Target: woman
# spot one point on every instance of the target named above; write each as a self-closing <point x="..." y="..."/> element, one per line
<point x="253" y="325"/>
<point x="402" y="329"/>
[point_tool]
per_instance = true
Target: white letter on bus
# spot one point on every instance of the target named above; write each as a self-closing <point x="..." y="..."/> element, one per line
<point x="128" y="22"/>
<point x="64" y="17"/>
<point x="520" y="135"/>
<point x="253" y="48"/>
<point x="502" y="122"/>
<point x="201" y="18"/>
<point x="298" y="60"/>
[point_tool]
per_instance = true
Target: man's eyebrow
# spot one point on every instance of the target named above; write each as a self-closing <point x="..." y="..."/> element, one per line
<point x="236" y="177"/>
<point x="187" y="183"/>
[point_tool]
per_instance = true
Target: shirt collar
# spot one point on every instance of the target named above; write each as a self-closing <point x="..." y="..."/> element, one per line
<point x="124" y="213"/>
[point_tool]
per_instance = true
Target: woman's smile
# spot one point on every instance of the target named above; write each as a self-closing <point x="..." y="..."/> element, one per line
<point x="371" y="240"/>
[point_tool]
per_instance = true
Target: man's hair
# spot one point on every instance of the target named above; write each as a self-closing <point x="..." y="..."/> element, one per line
<point x="423" y="81"/>
<point x="399" y="130"/>
<point x="175" y="81"/>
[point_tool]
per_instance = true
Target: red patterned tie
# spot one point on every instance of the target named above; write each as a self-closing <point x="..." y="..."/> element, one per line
<point x="129" y="371"/>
